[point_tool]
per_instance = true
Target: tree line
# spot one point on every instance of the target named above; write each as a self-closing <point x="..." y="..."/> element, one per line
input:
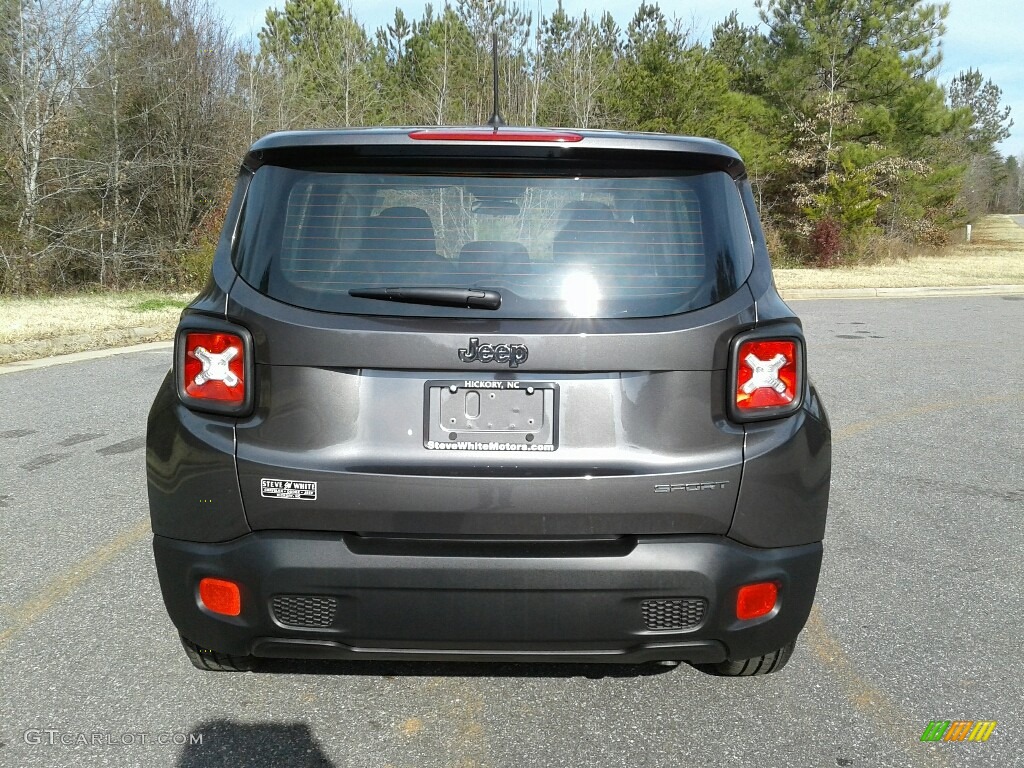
<point x="122" y="122"/>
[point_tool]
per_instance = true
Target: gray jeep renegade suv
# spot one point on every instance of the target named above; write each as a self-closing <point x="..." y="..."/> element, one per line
<point x="491" y="394"/>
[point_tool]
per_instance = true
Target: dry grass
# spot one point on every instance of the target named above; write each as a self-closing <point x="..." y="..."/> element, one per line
<point x="51" y="317"/>
<point x="994" y="257"/>
<point x="58" y="325"/>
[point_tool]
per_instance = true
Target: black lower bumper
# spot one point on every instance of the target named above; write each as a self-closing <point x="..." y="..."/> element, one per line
<point x="490" y="601"/>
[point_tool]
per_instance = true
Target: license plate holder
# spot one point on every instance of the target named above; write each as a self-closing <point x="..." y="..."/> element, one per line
<point x="490" y="415"/>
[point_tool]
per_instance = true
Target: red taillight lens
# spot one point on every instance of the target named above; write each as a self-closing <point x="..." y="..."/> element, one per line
<point x="756" y="600"/>
<point x="214" y="367"/>
<point x="767" y="375"/>
<point x="221" y="596"/>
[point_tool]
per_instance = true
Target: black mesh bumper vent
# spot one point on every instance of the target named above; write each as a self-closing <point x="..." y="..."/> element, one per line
<point x="304" y="610"/>
<point x="674" y="613"/>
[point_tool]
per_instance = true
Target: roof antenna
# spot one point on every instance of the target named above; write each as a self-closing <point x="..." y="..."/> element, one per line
<point x="496" y="121"/>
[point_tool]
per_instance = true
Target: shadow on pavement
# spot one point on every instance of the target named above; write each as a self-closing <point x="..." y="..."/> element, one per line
<point x="227" y="744"/>
<point x="456" y="669"/>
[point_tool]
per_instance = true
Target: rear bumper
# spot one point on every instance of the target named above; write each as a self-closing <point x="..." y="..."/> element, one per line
<point x="452" y="600"/>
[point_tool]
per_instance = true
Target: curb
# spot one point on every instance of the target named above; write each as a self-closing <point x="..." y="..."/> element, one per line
<point x="799" y="294"/>
<point x="77" y="357"/>
<point x="67" y="345"/>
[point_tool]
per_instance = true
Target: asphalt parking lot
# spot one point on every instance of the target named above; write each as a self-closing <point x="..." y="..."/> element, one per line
<point x="918" y="616"/>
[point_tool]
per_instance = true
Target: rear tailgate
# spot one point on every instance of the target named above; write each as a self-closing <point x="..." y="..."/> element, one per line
<point x="630" y="436"/>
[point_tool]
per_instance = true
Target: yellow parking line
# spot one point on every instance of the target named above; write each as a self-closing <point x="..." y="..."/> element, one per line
<point x="923" y="410"/>
<point x="898" y="728"/>
<point x="25" y="614"/>
<point x="868" y="698"/>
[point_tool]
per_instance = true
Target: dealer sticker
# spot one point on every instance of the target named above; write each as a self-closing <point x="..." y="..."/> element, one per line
<point x="288" y="489"/>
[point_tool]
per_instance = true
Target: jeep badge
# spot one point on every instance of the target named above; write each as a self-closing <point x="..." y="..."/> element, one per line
<point x="513" y="354"/>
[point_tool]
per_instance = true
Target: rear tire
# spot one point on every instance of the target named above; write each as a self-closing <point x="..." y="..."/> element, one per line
<point x="213" y="661"/>
<point x="758" y="665"/>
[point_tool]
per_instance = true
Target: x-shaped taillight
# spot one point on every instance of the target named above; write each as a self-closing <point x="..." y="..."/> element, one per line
<point x="216" y="366"/>
<point x="767" y="379"/>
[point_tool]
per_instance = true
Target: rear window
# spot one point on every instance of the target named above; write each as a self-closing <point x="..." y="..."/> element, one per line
<point x="580" y="246"/>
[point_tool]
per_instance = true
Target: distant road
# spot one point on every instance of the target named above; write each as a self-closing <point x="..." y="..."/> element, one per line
<point x="1019" y="220"/>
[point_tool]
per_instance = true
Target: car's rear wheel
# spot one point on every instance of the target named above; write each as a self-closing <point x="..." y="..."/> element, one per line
<point x="758" y="665"/>
<point x="213" y="661"/>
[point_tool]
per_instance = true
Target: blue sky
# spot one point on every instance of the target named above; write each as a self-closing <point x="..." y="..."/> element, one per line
<point x="983" y="34"/>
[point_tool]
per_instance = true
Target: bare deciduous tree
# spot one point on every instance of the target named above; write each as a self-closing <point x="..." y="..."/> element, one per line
<point x="45" y="52"/>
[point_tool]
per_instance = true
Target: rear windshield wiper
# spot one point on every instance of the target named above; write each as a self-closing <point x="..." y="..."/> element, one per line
<point x="467" y="298"/>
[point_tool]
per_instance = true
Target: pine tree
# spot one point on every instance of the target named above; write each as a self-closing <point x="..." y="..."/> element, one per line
<point x="852" y="78"/>
<point x="324" y="55"/>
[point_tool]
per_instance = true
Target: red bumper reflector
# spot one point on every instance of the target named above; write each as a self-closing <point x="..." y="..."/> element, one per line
<point x="221" y="596"/>
<point x="755" y="600"/>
